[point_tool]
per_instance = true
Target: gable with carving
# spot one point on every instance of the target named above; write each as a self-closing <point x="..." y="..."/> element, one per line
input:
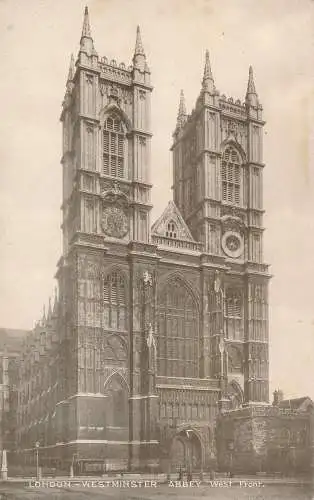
<point x="172" y="225"/>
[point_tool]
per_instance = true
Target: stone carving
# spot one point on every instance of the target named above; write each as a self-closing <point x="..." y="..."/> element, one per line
<point x="147" y="278"/>
<point x="151" y="343"/>
<point x="217" y="282"/>
<point x="114" y="222"/>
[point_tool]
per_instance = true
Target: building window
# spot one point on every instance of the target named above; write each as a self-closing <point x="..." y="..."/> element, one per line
<point x="115" y="316"/>
<point x="113" y="147"/>
<point x="178" y="342"/>
<point x="171" y="230"/>
<point x="231" y="176"/>
<point x="234" y="314"/>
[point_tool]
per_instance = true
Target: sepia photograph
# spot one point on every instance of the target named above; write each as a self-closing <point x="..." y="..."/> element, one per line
<point x="157" y="249"/>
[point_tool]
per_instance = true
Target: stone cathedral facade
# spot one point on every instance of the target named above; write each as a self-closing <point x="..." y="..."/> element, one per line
<point x="156" y="328"/>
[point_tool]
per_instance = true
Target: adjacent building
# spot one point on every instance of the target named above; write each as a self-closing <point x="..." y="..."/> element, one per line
<point x="273" y="438"/>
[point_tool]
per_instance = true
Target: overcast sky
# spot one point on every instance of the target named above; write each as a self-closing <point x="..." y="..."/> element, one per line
<point x="276" y="37"/>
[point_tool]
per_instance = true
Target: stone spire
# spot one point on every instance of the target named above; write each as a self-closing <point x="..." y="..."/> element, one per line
<point x="181" y="118"/>
<point x="86" y="43"/>
<point x="86" y="32"/>
<point x="139" y="58"/>
<point x="208" y="80"/>
<point x="138" y="44"/>
<point x="251" y="95"/>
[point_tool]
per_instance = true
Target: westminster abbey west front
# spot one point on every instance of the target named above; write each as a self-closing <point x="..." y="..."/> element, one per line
<point x="156" y="329"/>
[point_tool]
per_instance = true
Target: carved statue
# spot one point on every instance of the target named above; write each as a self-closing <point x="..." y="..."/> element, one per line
<point x="151" y="344"/>
<point x="147" y="278"/>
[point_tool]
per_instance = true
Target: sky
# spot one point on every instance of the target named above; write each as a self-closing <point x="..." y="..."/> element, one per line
<point x="37" y="38"/>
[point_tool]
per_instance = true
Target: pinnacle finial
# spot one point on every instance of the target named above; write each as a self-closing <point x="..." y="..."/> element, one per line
<point x="251" y="85"/>
<point x="182" y="110"/>
<point x="251" y="94"/>
<point x="71" y="69"/>
<point x="182" y="106"/>
<point x="55" y="302"/>
<point x="86" y="32"/>
<point x="139" y="50"/>
<point x="208" y="80"/>
<point x="49" y="308"/>
<point x="43" y="319"/>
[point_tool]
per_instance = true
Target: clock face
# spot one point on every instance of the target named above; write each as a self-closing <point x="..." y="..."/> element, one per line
<point x="232" y="244"/>
<point x="114" y="222"/>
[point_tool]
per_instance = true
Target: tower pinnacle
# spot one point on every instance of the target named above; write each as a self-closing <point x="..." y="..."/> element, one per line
<point x="181" y="118"/>
<point x="86" y="32"/>
<point x="251" y="95"/>
<point x="86" y="43"/>
<point x="208" y="80"/>
<point x="138" y="44"/>
<point x="139" y="59"/>
<point x="71" y="69"/>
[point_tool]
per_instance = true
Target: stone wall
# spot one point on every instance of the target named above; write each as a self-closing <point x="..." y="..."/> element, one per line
<point x="263" y="439"/>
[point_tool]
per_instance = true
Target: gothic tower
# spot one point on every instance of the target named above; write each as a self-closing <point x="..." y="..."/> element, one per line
<point x="218" y="185"/>
<point x="106" y="297"/>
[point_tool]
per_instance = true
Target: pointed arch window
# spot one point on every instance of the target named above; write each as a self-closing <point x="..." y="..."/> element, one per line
<point x="172" y="230"/>
<point x="115" y="317"/>
<point x="114" y="147"/>
<point x="231" y="176"/>
<point x="178" y="337"/>
<point x="234" y="313"/>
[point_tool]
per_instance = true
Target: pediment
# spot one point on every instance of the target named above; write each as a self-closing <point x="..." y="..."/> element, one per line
<point x="172" y="225"/>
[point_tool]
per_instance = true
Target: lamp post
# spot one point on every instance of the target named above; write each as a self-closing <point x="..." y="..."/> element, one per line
<point x="37" y="445"/>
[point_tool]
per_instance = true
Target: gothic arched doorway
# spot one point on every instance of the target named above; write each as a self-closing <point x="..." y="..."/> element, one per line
<point x="186" y="452"/>
<point x="117" y="408"/>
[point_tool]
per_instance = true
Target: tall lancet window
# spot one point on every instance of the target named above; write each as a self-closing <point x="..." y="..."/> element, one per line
<point x="178" y="337"/>
<point x="115" y="302"/>
<point x="234" y="314"/>
<point x="114" y="147"/>
<point x="231" y="178"/>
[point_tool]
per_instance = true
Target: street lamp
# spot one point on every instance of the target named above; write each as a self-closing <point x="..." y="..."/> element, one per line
<point x="37" y="445"/>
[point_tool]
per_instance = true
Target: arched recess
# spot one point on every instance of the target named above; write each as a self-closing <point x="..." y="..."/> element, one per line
<point x="117" y="405"/>
<point x="178" y="347"/>
<point x="235" y="395"/>
<point x="187" y="451"/>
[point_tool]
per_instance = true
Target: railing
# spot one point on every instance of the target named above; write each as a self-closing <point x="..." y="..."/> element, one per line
<point x="181" y="244"/>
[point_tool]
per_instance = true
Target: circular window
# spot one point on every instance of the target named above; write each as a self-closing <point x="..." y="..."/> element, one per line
<point x="232" y="244"/>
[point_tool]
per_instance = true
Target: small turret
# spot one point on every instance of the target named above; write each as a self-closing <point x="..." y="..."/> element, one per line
<point x="278" y="397"/>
